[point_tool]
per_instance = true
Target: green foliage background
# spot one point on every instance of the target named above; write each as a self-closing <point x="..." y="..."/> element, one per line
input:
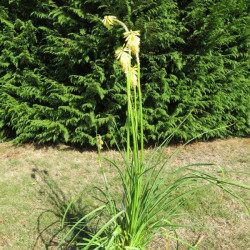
<point x="60" y="82"/>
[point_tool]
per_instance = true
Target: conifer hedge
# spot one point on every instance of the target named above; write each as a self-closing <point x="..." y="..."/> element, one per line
<point x="60" y="82"/>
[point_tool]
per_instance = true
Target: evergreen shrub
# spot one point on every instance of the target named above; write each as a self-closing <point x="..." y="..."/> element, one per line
<point x="59" y="81"/>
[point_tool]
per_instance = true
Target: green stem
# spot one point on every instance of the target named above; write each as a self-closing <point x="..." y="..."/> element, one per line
<point x="138" y="178"/>
<point x="128" y="77"/>
<point x="140" y="112"/>
<point x="128" y="119"/>
<point x="122" y="24"/>
<point x="134" y="165"/>
<point x="134" y="134"/>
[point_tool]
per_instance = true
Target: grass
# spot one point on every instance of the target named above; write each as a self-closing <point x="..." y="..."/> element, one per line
<point x="23" y="199"/>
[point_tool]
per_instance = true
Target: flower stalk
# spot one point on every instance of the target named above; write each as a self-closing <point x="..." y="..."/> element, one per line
<point x="134" y="125"/>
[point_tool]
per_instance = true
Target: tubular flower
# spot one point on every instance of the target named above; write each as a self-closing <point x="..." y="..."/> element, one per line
<point x="134" y="77"/>
<point x="133" y="40"/>
<point x="124" y="58"/>
<point x="109" y="20"/>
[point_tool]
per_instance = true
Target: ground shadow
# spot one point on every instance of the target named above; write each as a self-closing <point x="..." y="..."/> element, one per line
<point x="56" y="202"/>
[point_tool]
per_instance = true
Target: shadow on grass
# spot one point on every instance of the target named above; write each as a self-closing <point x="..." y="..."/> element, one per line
<point x="57" y="203"/>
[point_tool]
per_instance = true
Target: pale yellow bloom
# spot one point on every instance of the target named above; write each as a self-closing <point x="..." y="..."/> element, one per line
<point x="100" y="142"/>
<point x="124" y="58"/>
<point x="133" y="40"/>
<point x="133" y="80"/>
<point x="109" y="20"/>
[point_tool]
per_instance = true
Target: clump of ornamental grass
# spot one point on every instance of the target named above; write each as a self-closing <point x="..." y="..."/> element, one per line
<point x="150" y="199"/>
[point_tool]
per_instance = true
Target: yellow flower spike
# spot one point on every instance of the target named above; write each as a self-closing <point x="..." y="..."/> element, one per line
<point x="124" y="58"/>
<point x="133" y="40"/>
<point x="109" y="21"/>
<point x="134" y="77"/>
<point x="100" y="142"/>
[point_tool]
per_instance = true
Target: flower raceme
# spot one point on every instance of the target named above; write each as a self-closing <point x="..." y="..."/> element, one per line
<point x="132" y="45"/>
<point x="100" y="142"/>
<point x="132" y="37"/>
<point x="133" y="40"/>
<point x="134" y="77"/>
<point x="124" y="58"/>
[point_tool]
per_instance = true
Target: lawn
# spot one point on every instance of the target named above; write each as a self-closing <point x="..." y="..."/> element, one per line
<point x="36" y="182"/>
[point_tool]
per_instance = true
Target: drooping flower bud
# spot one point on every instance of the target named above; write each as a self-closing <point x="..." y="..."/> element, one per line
<point x="99" y="142"/>
<point x="109" y="21"/>
<point x="133" y="40"/>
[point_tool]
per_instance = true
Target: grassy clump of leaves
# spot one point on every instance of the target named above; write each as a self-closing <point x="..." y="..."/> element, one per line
<point x="151" y="199"/>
